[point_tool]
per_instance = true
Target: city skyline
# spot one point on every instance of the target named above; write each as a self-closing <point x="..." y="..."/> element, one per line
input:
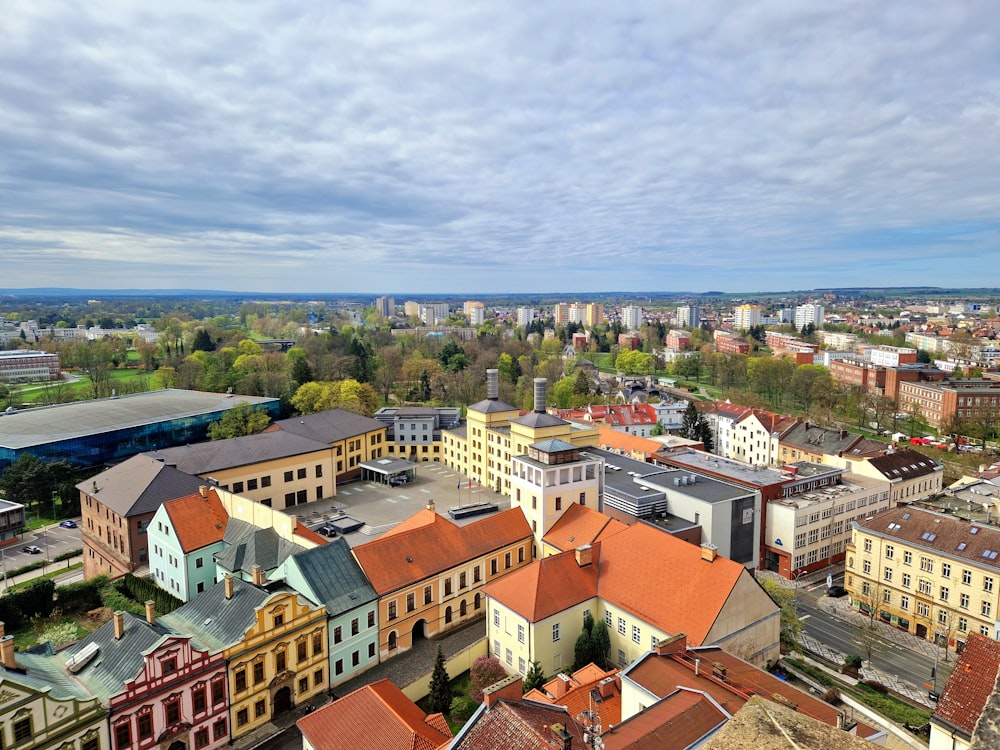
<point x="346" y="148"/>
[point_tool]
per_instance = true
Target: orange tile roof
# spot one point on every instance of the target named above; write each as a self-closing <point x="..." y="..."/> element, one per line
<point x="677" y="721"/>
<point x="519" y="725"/>
<point x="615" y="440"/>
<point x="430" y="545"/>
<point x="198" y="521"/>
<point x="374" y="717"/>
<point x="971" y="684"/>
<point x="580" y="525"/>
<point x="578" y="697"/>
<point x="303" y="531"/>
<point x="547" y="586"/>
<point x="679" y="572"/>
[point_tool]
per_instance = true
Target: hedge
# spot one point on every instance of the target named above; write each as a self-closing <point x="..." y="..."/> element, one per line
<point x="18" y="607"/>
<point x="82" y="596"/>
<point x="142" y="589"/>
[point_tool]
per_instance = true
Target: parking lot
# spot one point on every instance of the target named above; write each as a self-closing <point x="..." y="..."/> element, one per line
<point x="380" y="507"/>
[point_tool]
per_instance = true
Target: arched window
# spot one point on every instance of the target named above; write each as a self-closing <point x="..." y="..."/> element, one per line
<point x="392" y="640"/>
<point x="478" y="602"/>
<point x="447" y="615"/>
<point x="462" y="609"/>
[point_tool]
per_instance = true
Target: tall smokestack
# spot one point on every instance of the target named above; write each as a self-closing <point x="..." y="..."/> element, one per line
<point x="540" y="384"/>
<point x="493" y="384"/>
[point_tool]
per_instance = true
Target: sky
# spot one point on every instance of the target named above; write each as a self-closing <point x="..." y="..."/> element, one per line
<point x="499" y="147"/>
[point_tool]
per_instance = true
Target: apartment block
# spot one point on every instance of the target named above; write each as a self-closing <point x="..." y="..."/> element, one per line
<point x="747" y="316"/>
<point x="976" y="400"/>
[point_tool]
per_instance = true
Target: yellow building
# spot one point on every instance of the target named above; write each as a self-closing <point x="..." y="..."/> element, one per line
<point x="495" y="432"/>
<point x="274" y="642"/>
<point x="929" y="573"/>
<point x="355" y="439"/>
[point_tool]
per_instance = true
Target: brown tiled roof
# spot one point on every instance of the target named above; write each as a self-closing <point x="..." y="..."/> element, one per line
<point x="580" y="525"/>
<point x="620" y="441"/>
<point x="430" y="544"/>
<point x="677" y="721"/>
<point x="374" y="717"/>
<point x="518" y="725"/>
<point x="578" y="697"/>
<point x="547" y="586"/>
<point x="970" y="685"/>
<point x="198" y="521"/>
<point x="904" y="464"/>
<point x="941" y="532"/>
<point x="773" y="423"/>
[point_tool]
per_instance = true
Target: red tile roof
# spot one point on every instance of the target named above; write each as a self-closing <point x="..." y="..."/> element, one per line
<point x="620" y="441"/>
<point x="579" y="526"/>
<point x="304" y="532"/>
<point x="677" y="721"/>
<point x="547" y="586"/>
<point x="375" y="717"/>
<point x="428" y="544"/>
<point x="971" y="684"/>
<point x="519" y="725"/>
<point x="574" y="692"/>
<point x="198" y="521"/>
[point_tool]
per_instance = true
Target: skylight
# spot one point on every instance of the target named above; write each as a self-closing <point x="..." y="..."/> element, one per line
<point x="961" y="546"/>
<point x="928" y="536"/>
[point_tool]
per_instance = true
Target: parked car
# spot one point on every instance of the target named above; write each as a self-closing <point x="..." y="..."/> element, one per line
<point x="68" y="524"/>
<point x="31" y="549"/>
<point x="327" y="530"/>
<point x="835" y="592"/>
<point x="399" y="480"/>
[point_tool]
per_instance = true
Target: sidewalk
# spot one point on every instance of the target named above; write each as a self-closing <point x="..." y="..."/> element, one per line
<point x="841" y="609"/>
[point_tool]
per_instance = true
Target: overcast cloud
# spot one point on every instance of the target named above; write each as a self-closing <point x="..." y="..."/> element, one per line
<point x="443" y="147"/>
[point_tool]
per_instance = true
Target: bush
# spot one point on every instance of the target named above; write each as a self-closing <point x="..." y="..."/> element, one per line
<point x="877" y="686"/>
<point x="484" y="672"/>
<point x="67" y="555"/>
<point x="17" y="608"/>
<point x="854" y="661"/>
<point x="462" y="708"/>
<point x="832" y="696"/>
<point x="140" y="590"/>
<point x="81" y="597"/>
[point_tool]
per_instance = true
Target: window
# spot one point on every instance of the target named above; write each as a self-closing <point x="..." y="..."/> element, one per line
<point x="636" y="634"/>
<point x="496" y="618"/>
<point x="967" y="577"/>
<point x="280" y="661"/>
<point x="392" y="612"/>
<point x="411" y="602"/>
<point x="371" y="619"/>
<point x="506" y="560"/>
<point x="607" y="617"/>
<point x="520" y="633"/>
<point x="198" y="699"/>
<point x="123" y="733"/>
<point x="887" y="597"/>
<point x="904" y="602"/>
<point x="355" y="658"/>
<point x="946" y="570"/>
<point x="317" y="677"/>
<point x="906" y="580"/>
<point x="476" y="577"/>
<point x="942" y="617"/>
<point x="944" y="593"/>
<point x="868" y="545"/>
<point x="201" y="738"/>
<point x="258" y="672"/>
<point x="889" y="551"/>
<point x="251" y="484"/>
<point x="985" y="630"/>
<point x="259" y="708"/>
<point x="219" y="729"/>
<point x="986" y="609"/>
<point x="447" y="587"/>
<point x="493" y="567"/>
<point x="583" y="498"/>
<point x="218" y="692"/>
<point x="319" y="470"/>
<point x="338" y="667"/>
<point x="371" y="650"/>
<point x="241" y="679"/>
<point x="289" y="476"/>
<point x="887" y="573"/>
<point x="987" y="583"/>
<point x="428" y="594"/>
<point x="555" y="632"/>
<point x="169" y="666"/>
<point x="300" y="473"/>
<point x="237" y="487"/>
<point x="265" y="481"/>
<point x="621" y="625"/>
<point x="963" y="601"/>
<point x="907" y="558"/>
<point x="520" y="554"/>
<point x="558" y="503"/>
<point x="866" y="566"/>
<point x="924" y="586"/>
<point x="317" y="644"/>
<point x="963" y="625"/>
<point x="927" y="564"/>
<point x="301" y="653"/>
<point x="242" y="717"/>
<point x="510" y="656"/>
<point x="622" y="661"/>
<point x="462" y="580"/>
<point x="923" y="610"/>
<point x="145" y="725"/>
<point x="355" y="626"/>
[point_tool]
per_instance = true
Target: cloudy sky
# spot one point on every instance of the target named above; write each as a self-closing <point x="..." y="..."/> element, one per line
<point x="443" y="147"/>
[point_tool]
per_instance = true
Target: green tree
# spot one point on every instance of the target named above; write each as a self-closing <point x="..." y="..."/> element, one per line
<point x="27" y="481"/>
<point x="791" y="625"/>
<point x="440" y="693"/>
<point x="634" y="362"/>
<point x="241" y="420"/>
<point x="202" y="341"/>
<point x="601" y="644"/>
<point x="690" y="424"/>
<point x="535" y="677"/>
<point x="484" y="671"/>
<point x="581" y="383"/>
<point x="583" y="649"/>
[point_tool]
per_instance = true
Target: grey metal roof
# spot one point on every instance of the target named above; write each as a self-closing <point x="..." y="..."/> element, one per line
<point x="538" y="420"/>
<point x="117" y="661"/>
<point x="333" y="577"/>
<point x="44" y="672"/>
<point x="215" y="620"/>
<point x="554" y="445"/>
<point x="139" y="485"/>
<point x="492" y="406"/>
<point x="216" y="455"/>
<point x="47" y="424"/>
<point x="330" y="426"/>
<point x="248" y="545"/>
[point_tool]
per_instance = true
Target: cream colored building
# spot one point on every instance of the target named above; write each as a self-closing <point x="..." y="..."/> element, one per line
<point x="931" y="574"/>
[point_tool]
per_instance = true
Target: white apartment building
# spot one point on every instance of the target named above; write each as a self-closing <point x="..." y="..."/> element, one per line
<point x="525" y="316"/>
<point x="747" y="316"/>
<point x="477" y="315"/>
<point x="688" y="316"/>
<point x="632" y="318"/>
<point x="809" y="313"/>
<point x="890" y="356"/>
<point x="433" y="313"/>
<point x="847" y="342"/>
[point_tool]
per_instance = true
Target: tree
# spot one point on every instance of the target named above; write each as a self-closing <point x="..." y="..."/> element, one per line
<point x="583" y="653"/>
<point x="484" y="671"/>
<point x="601" y="644"/>
<point x="202" y="341"/>
<point x="690" y="425"/>
<point x="791" y="625"/>
<point x="634" y="362"/>
<point x="241" y="420"/>
<point x="440" y="694"/>
<point x="535" y="677"/>
<point x="26" y="481"/>
<point x="868" y="598"/>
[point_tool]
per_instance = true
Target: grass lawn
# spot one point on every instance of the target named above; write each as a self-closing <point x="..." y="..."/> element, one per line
<point x="81" y="389"/>
<point x="57" y="628"/>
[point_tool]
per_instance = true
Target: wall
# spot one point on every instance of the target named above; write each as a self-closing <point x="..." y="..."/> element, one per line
<point x="460" y="662"/>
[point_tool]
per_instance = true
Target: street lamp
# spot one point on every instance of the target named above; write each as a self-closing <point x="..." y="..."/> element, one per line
<point x="795" y="589"/>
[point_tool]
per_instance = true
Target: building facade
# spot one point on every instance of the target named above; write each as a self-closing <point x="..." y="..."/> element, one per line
<point x="28" y="366"/>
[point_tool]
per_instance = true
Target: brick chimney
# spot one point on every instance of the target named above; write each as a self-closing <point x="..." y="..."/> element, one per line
<point x="564" y="740"/>
<point x="430" y="505"/>
<point x="559" y="685"/>
<point x="150" y="612"/>
<point x="119" y="618"/>
<point x="203" y="490"/>
<point x="228" y="582"/>
<point x="7" y="652"/>
<point x="606" y="687"/>
<point x="709" y="552"/>
<point x="510" y="688"/>
<point x="675" y="644"/>
<point x="584" y="555"/>
<point x="259" y="579"/>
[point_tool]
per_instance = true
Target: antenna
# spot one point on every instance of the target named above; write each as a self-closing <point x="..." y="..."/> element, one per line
<point x="591" y="721"/>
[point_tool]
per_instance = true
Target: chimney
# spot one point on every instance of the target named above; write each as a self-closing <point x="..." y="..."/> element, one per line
<point x="430" y="505"/>
<point x="709" y="552"/>
<point x="607" y="687"/>
<point x="229" y="586"/>
<point x="150" y="612"/>
<point x="259" y="579"/>
<point x="493" y="384"/>
<point x="540" y="384"/>
<point x="697" y="667"/>
<point x="558" y="686"/>
<point x="119" y="618"/>
<point x="203" y="490"/>
<point x="509" y="688"/>
<point x="7" y="652"/>
<point x="584" y="555"/>
<point x="675" y="644"/>
<point x="563" y="738"/>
